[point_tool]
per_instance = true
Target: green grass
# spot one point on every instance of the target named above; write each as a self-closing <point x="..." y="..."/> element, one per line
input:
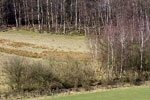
<point x="117" y="94"/>
<point x="25" y="32"/>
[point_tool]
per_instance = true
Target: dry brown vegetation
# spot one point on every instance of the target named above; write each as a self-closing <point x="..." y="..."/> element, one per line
<point x="39" y="46"/>
<point x="14" y="48"/>
<point x="22" y="44"/>
<point x="4" y="40"/>
<point x="20" y="52"/>
<point x="57" y="54"/>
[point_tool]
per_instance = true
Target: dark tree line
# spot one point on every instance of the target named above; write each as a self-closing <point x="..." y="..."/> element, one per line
<point x="67" y="15"/>
<point x="49" y="15"/>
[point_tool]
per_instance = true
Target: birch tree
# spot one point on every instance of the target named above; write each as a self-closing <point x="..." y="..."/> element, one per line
<point x="39" y="22"/>
<point x="16" y="18"/>
<point x="48" y="16"/>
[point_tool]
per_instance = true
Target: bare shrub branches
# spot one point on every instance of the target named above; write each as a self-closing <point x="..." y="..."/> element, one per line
<point x="123" y="40"/>
<point x="24" y="75"/>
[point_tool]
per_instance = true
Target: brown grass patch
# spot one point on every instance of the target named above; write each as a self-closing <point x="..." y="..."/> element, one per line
<point x="22" y="44"/>
<point x="44" y="54"/>
<point x="4" y="40"/>
<point x="20" y="52"/>
<point x="40" y="47"/>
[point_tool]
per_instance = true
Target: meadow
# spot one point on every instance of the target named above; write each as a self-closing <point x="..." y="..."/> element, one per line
<point x="36" y="46"/>
<point x="133" y="93"/>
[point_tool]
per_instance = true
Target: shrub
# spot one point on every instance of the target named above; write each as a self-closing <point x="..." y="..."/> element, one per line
<point x="22" y="74"/>
<point x="16" y="71"/>
<point x="26" y="75"/>
<point x="74" y="73"/>
<point x="39" y="77"/>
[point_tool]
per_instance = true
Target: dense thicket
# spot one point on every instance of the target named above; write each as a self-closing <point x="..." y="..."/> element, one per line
<point x="25" y="75"/>
<point x="122" y="42"/>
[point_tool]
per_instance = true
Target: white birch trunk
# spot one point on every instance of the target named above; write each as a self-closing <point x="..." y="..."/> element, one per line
<point x="39" y="23"/>
<point x="15" y="9"/>
<point x="48" y="16"/>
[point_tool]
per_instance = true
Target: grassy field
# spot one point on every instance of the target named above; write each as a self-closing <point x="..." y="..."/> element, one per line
<point x="52" y="41"/>
<point x="136" y="93"/>
<point x="35" y="45"/>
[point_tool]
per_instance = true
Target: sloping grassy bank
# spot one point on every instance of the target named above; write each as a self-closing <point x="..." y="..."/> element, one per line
<point x="135" y="93"/>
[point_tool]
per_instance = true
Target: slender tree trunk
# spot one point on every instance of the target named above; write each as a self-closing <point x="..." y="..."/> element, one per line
<point x="39" y="22"/>
<point x="96" y="46"/>
<point x="57" y="23"/>
<point x="57" y="14"/>
<point x="64" y="13"/>
<point x="76" y="16"/>
<point x="112" y="50"/>
<point x="42" y="18"/>
<point x="28" y="19"/>
<point x="71" y="19"/>
<point x="108" y="56"/>
<point x="19" y="9"/>
<point x="1" y="13"/>
<point x="142" y="45"/>
<point x="52" y="16"/>
<point x="32" y="15"/>
<point x="16" y="18"/>
<point x="25" y="14"/>
<point x="122" y="49"/>
<point x="61" y="19"/>
<point x="48" y="16"/>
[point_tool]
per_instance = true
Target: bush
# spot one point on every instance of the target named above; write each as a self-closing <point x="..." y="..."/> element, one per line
<point x="39" y="77"/>
<point x="24" y="75"/>
<point x="15" y="70"/>
<point x="74" y="73"/>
